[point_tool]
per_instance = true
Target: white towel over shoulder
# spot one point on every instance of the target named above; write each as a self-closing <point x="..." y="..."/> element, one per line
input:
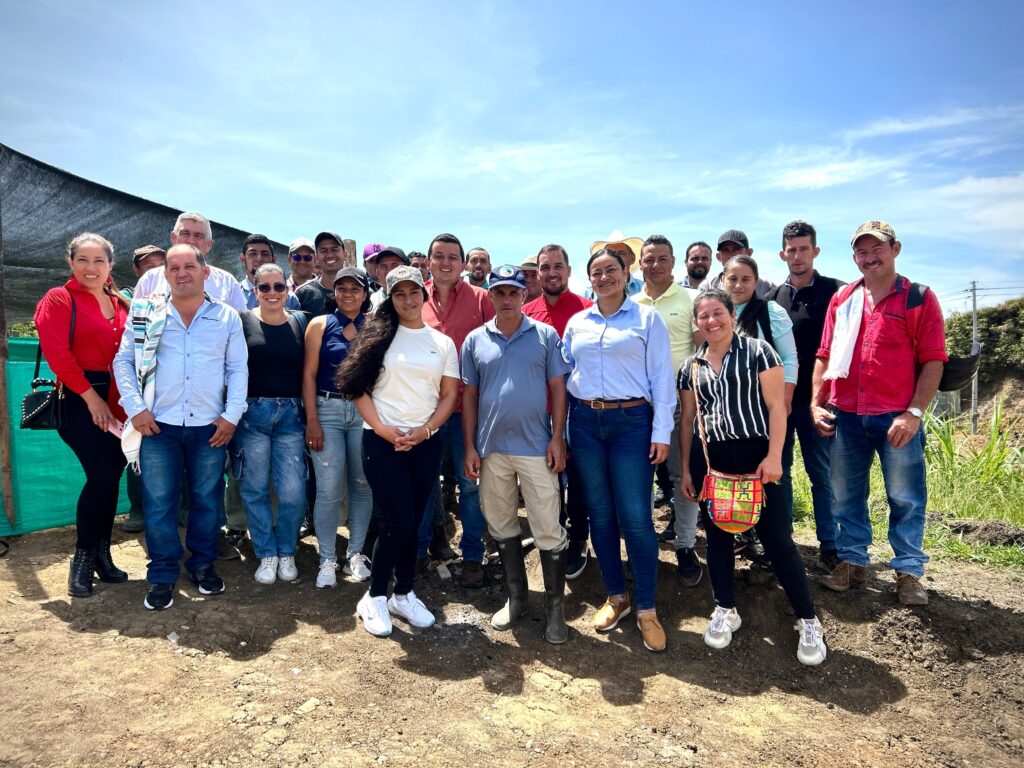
<point x="844" y="335"/>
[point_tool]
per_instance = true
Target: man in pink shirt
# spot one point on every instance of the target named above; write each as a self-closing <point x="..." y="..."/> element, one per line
<point x="555" y="306"/>
<point x="454" y="307"/>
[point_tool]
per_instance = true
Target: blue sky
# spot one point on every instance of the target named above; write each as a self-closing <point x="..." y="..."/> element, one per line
<point x="514" y="125"/>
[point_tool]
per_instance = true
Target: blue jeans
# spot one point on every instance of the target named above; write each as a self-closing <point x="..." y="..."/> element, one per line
<point x="339" y="467"/>
<point x="470" y="514"/>
<point x="817" y="451"/>
<point x="270" y="439"/>
<point x="163" y="458"/>
<point x="858" y="439"/>
<point x="611" y="453"/>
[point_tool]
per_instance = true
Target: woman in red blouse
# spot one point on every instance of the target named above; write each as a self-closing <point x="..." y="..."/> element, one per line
<point x="92" y="415"/>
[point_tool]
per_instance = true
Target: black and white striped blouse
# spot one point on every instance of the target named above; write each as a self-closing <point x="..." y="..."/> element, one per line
<point x="731" y="403"/>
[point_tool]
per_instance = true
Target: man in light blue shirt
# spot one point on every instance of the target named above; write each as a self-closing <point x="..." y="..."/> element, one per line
<point x="182" y="371"/>
<point x="512" y="367"/>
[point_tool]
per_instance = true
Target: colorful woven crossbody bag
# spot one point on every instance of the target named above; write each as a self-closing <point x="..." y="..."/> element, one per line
<point x="734" y="501"/>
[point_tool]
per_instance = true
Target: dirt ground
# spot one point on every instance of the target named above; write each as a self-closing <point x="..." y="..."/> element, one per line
<point x="284" y="675"/>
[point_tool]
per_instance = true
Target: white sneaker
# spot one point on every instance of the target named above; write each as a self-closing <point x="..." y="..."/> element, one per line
<point x="327" y="577"/>
<point x="412" y="609"/>
<point x="358" y="568"/>
<point x="811" y="649"/>
<point x="374" y="613"/>
<point x="267" y="572"/>
<point x="286" y="570"/>
<point x="724" y="621"/>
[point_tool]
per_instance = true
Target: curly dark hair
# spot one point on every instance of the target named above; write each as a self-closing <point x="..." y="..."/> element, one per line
<point x="363" y="364"/>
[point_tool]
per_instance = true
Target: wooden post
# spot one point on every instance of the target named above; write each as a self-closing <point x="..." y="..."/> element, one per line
<point x="6" y="482"/>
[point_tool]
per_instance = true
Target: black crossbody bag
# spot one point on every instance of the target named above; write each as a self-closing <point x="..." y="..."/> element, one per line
<point x="43" y="407"/>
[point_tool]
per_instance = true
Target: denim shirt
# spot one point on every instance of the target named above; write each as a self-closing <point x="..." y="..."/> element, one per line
<point x="202" y="371"/>
<point x="623" y="357"/>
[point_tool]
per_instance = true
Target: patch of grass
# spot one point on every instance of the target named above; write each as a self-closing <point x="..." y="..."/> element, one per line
<point x="978" y="477"/>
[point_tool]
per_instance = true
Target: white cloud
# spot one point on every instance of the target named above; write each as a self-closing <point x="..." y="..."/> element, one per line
<point x="891" y="126"/>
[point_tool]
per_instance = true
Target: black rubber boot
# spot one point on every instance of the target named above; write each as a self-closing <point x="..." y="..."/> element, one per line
<point x="553" y="566"/>
<point x="439" y="547"/>
<point x="105" y="568"/>
<point x="80" y="575"/>
<point x="514" y="566"/>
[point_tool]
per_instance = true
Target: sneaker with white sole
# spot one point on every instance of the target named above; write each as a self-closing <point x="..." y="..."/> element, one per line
<point x="358" y="567"/>
<point x="811" y="650"/>
<point x="328" y="575"/>
<point x="724" y="621"/>
<point x="267" y="571"/>
<point x="374" y="613"/>
<point x="286" y="570"/>
<point x="412" y="609"/>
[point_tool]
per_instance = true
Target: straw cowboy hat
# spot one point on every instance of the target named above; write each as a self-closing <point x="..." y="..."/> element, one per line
<point x="618" y="238"/>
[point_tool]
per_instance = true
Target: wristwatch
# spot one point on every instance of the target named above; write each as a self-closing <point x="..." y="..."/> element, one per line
<point x="916" y="412"/>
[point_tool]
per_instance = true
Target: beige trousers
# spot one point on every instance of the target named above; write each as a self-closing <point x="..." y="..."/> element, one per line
<point x="539" y="484"/>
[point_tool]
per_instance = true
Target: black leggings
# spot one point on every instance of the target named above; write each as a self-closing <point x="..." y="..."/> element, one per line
<point x="774" y="529"/>
<point x="401" y="482"/>
<point x="101" y="458"/>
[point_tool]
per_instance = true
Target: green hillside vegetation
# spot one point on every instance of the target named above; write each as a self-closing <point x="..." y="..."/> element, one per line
<point x="1001" y="332"/>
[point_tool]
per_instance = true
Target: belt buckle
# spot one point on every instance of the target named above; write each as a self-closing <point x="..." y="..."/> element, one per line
<point x="599" y="405"/>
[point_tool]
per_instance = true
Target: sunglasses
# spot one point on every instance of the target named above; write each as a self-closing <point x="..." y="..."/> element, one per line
<point x="302" y="257"/>
<point x="268" y="287"/>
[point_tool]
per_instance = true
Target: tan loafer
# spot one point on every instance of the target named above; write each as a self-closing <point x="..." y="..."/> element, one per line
<point x="614" y="610"/>
<point x="651" y="631"/>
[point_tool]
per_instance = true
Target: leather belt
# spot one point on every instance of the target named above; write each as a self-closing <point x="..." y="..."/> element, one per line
<point x="329" y="395"/>
<point x="611" y="405"/>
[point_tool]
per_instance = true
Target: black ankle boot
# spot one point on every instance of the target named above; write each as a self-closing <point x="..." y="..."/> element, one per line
<point x="80" y="576"/>
<point x="105" y="568"/>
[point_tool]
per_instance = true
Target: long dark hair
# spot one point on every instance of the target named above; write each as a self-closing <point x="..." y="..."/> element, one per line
<point x="746" y="325"/>
<point x="364" y="362"/>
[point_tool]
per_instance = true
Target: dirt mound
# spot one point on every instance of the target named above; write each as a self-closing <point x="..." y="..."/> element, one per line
<point x="285" y="675"/>
<point x="994" y="532"/>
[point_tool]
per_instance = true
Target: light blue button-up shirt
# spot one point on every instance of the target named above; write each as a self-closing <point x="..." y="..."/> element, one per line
<point x="202" y="371"/>
<point x="625" y="356"/>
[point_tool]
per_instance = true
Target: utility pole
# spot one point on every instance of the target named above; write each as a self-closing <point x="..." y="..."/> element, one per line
<point x="974" y="340"/>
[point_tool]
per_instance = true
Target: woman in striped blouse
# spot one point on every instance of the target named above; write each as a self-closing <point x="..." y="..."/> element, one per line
<point x="740" y="384"/>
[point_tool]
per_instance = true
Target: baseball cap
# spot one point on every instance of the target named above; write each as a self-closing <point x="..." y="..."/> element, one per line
<point x="737" y="236"/>
<point x="356" y="274"/>
<point x="530" y="262"/>
<point x="301" y="242"/>
<point x="403" y="274"/>
<point x="394" y="251"/>
<point x="507" y="274"/>
<point x="140" y="253"/>
<point x="370" y="251"/>
<point x="328" y="236"/>
<point x="881" y="229"/>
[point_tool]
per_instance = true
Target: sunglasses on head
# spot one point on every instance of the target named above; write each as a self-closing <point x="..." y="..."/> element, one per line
<point x="302" y="257"/>
<point x="268" y="287"/>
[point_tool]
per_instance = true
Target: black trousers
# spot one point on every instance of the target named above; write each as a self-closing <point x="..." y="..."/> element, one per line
<point x="401" y="482"/>
<point x="773" y="528"/>
<point x="101" y="458"/>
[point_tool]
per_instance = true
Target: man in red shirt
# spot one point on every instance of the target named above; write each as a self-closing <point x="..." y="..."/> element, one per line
<point x="454" y="307"/>
<point x="881" y="357"/>
<point x="555" y="306"/>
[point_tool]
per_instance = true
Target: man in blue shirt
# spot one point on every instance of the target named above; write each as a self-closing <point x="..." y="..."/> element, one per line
<point x="512" y="367"/>
<point x="182" y="371"/>
<point x="257" y="250"/>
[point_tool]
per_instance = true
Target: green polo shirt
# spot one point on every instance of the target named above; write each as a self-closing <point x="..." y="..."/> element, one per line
<point x="676" y="308"/>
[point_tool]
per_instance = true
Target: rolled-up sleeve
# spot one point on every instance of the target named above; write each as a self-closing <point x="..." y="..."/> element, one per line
<point x="659" y="370"/>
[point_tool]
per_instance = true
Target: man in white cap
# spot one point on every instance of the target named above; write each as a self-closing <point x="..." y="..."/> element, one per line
<point x="301" y="259"/>
<point x="532" y="275"/>
<point x="628" y="249"/>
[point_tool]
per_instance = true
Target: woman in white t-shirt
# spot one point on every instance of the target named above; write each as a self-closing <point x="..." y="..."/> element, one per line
<point x="403" y="377"/>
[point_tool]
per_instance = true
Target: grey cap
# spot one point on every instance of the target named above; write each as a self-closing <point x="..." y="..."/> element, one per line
<point x="734" y="236"/>
<point x="402" y="274"/>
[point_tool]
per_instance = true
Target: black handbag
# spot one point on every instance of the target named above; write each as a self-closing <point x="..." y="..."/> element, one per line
<point x="44" y="409"/>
